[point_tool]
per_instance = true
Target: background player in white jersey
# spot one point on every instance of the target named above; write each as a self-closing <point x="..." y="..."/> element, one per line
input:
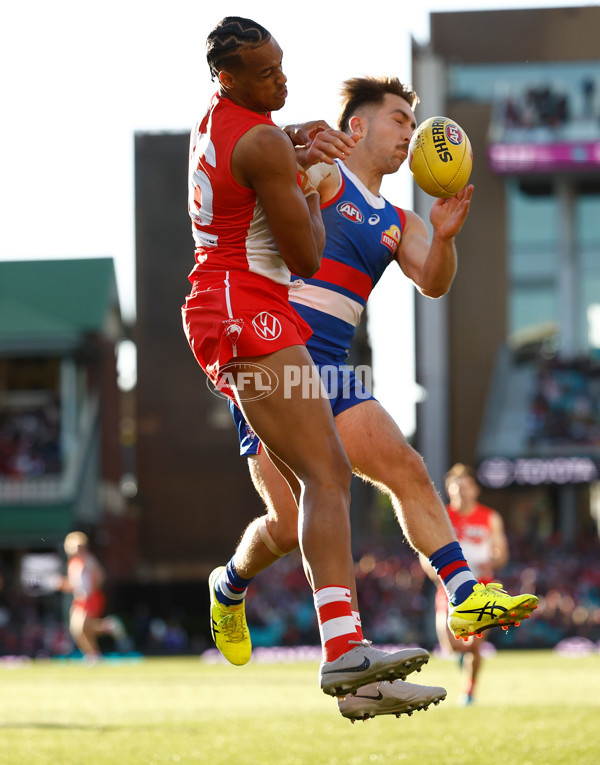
<point x="480" y="531"/>
<point x="364" y="234"/>
<point x="251" y="225"/>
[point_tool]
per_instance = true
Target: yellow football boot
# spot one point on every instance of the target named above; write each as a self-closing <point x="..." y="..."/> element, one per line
<point x="228" y="626"/>
<point x="486" y="607"/>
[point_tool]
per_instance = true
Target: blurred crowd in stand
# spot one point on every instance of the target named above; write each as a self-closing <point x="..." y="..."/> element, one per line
<point x="537" y="107"/>
<point x="395" y="599"/>
<point x="565" y="409"/>
<point x="30" y="442"/>
<point x="550" y="107"/>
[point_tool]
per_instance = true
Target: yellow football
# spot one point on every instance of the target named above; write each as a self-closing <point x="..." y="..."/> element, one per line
<point x="440" y="157"/>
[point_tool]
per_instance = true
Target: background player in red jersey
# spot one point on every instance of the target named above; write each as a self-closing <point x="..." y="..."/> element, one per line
<point x="85" y="577"/>
<point x="480" y="531"/>
<point x="252" y="225"/>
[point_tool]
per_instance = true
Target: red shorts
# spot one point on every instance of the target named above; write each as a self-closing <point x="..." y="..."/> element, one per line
<point x="93" y="605"/>
<point x="238" y="314"/>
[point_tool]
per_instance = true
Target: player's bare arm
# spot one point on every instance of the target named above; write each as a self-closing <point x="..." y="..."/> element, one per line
<point x="302" y="133"/>
<point x="432" y="265"/>
<point x="317" y="142"/>
<point x="264" y="160"/>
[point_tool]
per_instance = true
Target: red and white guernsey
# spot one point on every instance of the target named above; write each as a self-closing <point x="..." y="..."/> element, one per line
<point x="229" y="225"/>
<point x="474" y="532"/>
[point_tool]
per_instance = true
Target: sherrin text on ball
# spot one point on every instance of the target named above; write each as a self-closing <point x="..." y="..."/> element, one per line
<point x="440" y="157"/>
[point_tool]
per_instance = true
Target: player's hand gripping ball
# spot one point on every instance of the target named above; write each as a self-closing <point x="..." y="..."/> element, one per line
<point x="440" y="157"/>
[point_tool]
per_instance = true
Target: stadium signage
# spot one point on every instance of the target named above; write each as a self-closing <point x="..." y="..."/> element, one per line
<point x="539" y="157"/>
<point x="501" y="472"/>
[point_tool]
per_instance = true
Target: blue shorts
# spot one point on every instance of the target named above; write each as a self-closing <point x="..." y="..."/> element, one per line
<point x="343" y="387"/>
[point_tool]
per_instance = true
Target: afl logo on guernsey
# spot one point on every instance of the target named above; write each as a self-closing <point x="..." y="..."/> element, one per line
<point x="266" y="326"/>
<point x="350" y="212"/>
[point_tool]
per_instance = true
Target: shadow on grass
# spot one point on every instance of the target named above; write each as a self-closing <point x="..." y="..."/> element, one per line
<point x="56" y="726"/>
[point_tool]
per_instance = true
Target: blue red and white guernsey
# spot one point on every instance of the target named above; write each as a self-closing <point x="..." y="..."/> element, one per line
<point x="363" y="234"/>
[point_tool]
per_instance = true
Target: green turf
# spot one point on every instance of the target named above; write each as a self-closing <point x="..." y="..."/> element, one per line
<point x="533" y="708"/>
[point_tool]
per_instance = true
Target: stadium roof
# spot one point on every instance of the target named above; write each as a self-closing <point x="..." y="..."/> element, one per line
<point x="53" y="303"/>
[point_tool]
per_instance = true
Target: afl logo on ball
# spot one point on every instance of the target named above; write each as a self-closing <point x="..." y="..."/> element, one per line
<point x="454" y="134"/>
<point x="266" y="326"/>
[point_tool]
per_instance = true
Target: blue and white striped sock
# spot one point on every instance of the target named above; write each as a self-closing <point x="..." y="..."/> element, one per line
<point x="230" y="587"/>
<point x="454" y="572"/>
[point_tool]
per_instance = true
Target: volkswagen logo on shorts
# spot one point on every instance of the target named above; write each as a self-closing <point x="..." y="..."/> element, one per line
<point x="249" y="380"/>
<point x="266" y="326"/>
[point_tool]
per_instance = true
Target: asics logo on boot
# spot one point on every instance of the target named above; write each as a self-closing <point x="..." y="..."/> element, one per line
<point x="487" y="610"/>
<point x="361" y="668"/>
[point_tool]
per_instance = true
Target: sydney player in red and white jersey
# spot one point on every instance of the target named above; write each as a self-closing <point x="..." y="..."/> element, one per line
<point x="480" y="531"/>
<point x="254" y="224"/>
<point x="85" y="578"/>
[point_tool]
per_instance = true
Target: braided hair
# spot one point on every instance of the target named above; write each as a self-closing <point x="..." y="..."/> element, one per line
<point x="231" y="35"/>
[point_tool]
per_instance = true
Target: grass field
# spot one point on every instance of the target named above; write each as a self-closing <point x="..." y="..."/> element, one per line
<point x="533" y="708"/>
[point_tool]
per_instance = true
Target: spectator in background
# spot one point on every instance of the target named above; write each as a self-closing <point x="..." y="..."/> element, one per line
<point x="588" y="87"/>
<point x="480" y="532"/>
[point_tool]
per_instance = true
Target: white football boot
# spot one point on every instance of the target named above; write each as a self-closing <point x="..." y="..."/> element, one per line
<point x="387" y="698"/>
<point x="363" y="665"/>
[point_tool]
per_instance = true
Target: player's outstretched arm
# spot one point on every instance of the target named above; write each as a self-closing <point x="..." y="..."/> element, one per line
<point x="432" y="264"/>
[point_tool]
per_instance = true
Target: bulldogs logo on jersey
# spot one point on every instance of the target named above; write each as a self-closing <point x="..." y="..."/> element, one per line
<point x="391" y="238"/>
<point x="351" y="212"/>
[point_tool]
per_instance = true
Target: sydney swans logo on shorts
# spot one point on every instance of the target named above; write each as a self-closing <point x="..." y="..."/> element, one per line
<point x="233" y="329"/>
<point x="266" y="326"/>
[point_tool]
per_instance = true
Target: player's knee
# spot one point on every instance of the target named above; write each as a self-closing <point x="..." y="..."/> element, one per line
<point x="280" y="534"/>
<point x="339" y="470"/>
<point x="412" y="460"/>
<point x="331" y="474"/>
<point x="287" y="539"/>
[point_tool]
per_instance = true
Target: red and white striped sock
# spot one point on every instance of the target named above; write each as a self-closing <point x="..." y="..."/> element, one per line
<point x="358" y="624"/>
<point x="336" y="623"/>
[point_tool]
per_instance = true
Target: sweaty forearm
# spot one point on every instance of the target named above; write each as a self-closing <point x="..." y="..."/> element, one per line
<point x="439" y="269"/>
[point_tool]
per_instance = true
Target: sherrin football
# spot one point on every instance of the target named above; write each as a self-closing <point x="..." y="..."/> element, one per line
<point x="440" y="157"/>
